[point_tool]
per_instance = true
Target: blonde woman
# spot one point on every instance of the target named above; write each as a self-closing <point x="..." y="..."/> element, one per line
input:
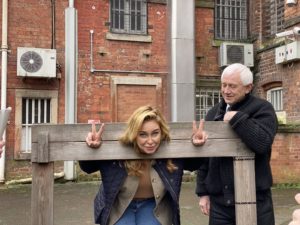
<point x="140" y="192"/>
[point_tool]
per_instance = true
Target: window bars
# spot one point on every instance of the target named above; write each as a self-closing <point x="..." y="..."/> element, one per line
<point x="231" y="19"/>
<point x="128" y="16"/>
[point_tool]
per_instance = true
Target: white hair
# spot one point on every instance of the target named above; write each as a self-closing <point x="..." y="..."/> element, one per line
<point x="244" y="72"/>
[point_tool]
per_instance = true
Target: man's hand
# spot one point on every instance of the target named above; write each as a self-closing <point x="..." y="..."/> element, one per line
<point x="93" y="138"/>
<point x="204" y="204"/>
<point x="199" y="136"/>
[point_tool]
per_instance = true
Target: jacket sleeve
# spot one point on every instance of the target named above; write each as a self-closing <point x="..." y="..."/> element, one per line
<point x="258" y="130"/>
<point x="201" y="189"/>
<point x="90" y="166"/>
<point x="192" y="164"/>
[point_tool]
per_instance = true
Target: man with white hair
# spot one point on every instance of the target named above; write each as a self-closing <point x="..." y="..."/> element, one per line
<point x="255" y="122"/>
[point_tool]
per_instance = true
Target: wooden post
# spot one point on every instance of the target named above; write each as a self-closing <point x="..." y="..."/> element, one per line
<point x="42" y="194"/>
<point x="42" y="184"/>
<point x="245" y="194"/>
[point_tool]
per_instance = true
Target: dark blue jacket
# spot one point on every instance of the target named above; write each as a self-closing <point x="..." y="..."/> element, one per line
<point x="113" y="175"/>
<point x="256" y="125"/>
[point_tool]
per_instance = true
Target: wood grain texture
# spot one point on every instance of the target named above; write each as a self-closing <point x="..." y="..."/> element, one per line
<point x="67" y="142"/>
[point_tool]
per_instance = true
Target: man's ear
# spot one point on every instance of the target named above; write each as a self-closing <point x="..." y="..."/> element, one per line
<point x="249" y="88"/>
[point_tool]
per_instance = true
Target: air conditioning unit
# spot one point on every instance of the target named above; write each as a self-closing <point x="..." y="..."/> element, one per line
<point x="36" y="62"/>
<point x="236" y="53"/>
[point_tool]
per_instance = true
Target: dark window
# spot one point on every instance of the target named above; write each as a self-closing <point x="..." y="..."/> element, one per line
<point x="128" y="16"/>
<point x="206" y="98"/>
<point x="231" y="18"/>
<point x="34" y="111"/>
<point x="273" y="17"/>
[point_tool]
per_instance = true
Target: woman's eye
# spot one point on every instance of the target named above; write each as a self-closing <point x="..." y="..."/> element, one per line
<point x="155" y="134"/>
<point x="143" y="135"/>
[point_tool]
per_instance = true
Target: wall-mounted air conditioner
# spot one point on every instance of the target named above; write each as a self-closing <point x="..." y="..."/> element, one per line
<point x="36" y="62"/>
<point x="231" y="52"/>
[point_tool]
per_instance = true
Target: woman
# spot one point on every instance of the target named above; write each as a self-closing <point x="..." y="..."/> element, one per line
<point x="140" y="192"/>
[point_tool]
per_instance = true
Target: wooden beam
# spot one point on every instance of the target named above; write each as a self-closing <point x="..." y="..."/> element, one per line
<point x="245" y="194"/>
<point x="42" y="194"/>
<point x="67" y="142"/>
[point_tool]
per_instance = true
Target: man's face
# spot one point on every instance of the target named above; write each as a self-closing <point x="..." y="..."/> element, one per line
<point x="232" y="88"/>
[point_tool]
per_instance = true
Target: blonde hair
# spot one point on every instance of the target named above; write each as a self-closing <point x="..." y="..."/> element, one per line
<point x="134" y="124"/>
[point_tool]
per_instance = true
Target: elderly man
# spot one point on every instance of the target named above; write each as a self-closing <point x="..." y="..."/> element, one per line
<point x="254" y="120"/>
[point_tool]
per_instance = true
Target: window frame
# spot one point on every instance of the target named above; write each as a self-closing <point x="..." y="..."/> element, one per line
<point x="204" y="86"/>
<point x="236" y="25"/>
<point x="19" y="152"/>
<point x="273" y="17"/>
<point x="129" y="15"/>
<point x="278" y="107"/>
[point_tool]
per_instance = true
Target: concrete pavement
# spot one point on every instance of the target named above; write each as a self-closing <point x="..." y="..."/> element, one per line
<point x="73" y="204"/>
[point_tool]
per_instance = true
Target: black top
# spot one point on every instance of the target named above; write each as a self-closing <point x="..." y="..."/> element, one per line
<point x="256" y="124"/>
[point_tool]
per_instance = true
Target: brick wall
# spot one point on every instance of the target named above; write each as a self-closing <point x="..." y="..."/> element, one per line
<point x="285" y="159"/>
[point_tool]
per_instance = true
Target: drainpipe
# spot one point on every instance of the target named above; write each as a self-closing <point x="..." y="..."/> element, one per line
<point x="182" y="80"/>
<point x="3" y="79"/>
<point x="70" y="77"/>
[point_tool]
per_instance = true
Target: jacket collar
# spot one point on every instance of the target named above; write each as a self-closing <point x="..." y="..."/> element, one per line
<point x="222" y="107"/>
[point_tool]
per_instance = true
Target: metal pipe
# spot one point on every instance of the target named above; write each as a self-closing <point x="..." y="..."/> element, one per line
<point x="70" y="77"/>
<point x="53" y="14"/>
<point x="71" y="3"/>
<point x="4" y="49"/>
<point x="92" y="70"/>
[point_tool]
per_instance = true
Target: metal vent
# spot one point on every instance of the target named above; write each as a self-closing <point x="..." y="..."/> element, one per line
<point x="235" y="54"/>
<point x="31" y="61"/>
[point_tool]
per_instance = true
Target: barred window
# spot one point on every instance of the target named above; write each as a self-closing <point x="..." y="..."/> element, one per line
<point x="205" y="99"/>
<point x="274" y="96"/>
<point x="34" y="111"/>
<point x="128" y="16"/>
<point x="273" y="18"/>
<point x="276" y="16"/>
<point x="231" y="18"/>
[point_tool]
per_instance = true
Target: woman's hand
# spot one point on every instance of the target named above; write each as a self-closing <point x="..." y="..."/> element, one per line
<point x="93" y="138"/>
<point x="199" y="136"/>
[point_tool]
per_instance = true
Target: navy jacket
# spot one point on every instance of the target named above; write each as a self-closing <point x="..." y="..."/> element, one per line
<point x="113" y="174"/>
<point x="256" y="125"/>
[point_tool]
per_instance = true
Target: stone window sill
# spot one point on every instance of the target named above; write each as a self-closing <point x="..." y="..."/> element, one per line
<point x="128" y="37"/>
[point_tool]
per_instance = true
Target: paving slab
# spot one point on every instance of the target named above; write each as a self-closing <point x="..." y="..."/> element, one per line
<point x="73" y="204"/>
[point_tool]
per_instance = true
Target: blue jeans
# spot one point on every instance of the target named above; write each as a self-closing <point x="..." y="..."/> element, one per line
<point x="139" y="212"/>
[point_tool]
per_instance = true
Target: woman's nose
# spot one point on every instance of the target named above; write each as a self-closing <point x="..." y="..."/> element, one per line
<point x="149" y="139"/>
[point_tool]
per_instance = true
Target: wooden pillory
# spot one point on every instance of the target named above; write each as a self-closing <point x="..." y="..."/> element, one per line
<point x="67" y="142"/>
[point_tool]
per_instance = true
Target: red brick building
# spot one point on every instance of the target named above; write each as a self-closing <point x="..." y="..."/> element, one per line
<point x="124" y="62"/>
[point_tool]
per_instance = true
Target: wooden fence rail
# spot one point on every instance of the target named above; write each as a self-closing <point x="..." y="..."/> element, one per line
<point x="67" y="142"/>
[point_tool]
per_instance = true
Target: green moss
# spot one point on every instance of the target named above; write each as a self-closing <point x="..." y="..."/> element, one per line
<point x="286" y="186"/>
<point x="289" y="128"/>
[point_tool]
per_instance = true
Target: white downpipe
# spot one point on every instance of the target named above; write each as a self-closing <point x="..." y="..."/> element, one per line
<point x="3" y="79"/>
<point x="70" y="77"/>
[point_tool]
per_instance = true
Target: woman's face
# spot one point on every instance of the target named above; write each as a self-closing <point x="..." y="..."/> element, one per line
<point x="149" y="137"/>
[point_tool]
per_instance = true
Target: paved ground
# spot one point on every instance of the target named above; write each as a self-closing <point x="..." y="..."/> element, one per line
<point x="73" y="204"/>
